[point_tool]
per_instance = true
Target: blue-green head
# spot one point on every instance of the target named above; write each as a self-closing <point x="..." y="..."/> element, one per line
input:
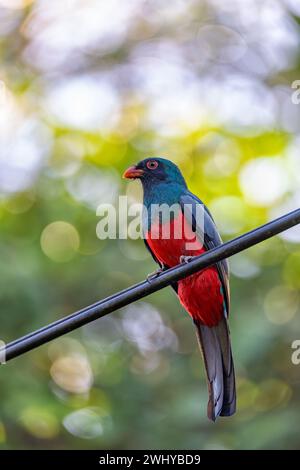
<point x="161" y="179"/>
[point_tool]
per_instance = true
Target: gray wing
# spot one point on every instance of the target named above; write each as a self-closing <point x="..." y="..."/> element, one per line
<point x="207" y="233"/>
<point x="214" y="341"/>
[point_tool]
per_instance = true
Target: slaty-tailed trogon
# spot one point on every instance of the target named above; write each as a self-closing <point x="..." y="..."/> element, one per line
<point x="188" y="231"/>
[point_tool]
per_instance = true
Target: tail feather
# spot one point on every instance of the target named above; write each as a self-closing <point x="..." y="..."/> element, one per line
<point x="216" y="351"/>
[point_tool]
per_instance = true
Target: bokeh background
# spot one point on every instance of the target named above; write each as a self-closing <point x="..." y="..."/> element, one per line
<point x="87" y="88"/>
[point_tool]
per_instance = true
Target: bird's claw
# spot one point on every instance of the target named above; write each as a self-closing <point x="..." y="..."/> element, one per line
<point x="154" y="275"/>
<point x="185" y="259"/>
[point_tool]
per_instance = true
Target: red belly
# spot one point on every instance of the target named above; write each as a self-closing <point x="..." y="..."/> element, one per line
<point x="200" y="294"/>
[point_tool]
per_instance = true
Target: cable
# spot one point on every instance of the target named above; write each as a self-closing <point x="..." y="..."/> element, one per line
<point x="144" y="288"/>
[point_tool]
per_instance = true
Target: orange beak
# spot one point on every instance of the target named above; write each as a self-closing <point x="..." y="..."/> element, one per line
<point x="132" y="172"/>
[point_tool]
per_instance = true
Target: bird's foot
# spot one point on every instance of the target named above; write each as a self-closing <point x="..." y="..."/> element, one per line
<point x="154" y="275"/>
<point x="186" y="259"/>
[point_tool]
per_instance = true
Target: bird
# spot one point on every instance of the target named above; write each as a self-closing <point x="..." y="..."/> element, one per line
<point x="175" y="237"/>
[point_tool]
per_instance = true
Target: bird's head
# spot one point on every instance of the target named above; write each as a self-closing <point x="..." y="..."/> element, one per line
<point x="155" y="170"/>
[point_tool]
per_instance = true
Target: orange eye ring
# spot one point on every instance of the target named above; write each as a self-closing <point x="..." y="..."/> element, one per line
<point x="152" y="165"/>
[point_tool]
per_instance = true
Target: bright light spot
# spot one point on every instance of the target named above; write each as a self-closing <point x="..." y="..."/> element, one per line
<point x="172" y="116"/>
<point x="271" y="394"/>
<point x="65" y="346"/>
<point x="60" y="241"/>
<point x="244" y="267"/>
<point x="19" y="203"/>
<point x="87" y="423"/>
<point x="66" y="157"/>
<point x="293" y="158"/>
<point x="132" y="250"/>
<point x="39" y="422"/>
<point x="145" y="363"/>
<point x="143" y="325"/>
<point x="221" y="44"/>
<point x="291" y="235"/>
<point x="281" y="304"/>
<point x="274" y="30"/>
<point x="92" y="186"/>
<point x="24" y="144"/>
<point x="239" y="103"/>
<point x="162" y="14"/>
<point x="162" y="81"/>
<point x="264" y="181"/>
<point x="15" y="4"/>
<point x="225" y="159"/>
<point x="59" y="28"/>
<point x="84" y="103"/>
<point x="294" y="6"/>
<point x="229" y="213"/>
<point x="246" y="393"/>
<point x="10" y="113"/>
<point x="72" y="373"/>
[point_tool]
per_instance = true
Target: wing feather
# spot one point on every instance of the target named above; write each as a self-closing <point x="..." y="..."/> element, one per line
<point x="207" y="234"/>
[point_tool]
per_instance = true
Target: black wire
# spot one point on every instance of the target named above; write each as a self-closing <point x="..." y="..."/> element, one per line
<point x="138" y="291"/>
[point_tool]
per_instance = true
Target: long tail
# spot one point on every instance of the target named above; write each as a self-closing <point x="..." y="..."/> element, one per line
<point x="216" y="351"/>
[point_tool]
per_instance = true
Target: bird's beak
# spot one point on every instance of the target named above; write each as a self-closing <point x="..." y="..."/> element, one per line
<point x="133" y="172"/>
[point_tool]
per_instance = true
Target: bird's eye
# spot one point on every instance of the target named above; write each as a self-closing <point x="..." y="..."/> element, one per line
<point x="152" y="164"/>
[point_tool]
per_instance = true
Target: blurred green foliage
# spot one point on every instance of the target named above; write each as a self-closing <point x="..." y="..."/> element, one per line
<point x="135" y="379"/>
